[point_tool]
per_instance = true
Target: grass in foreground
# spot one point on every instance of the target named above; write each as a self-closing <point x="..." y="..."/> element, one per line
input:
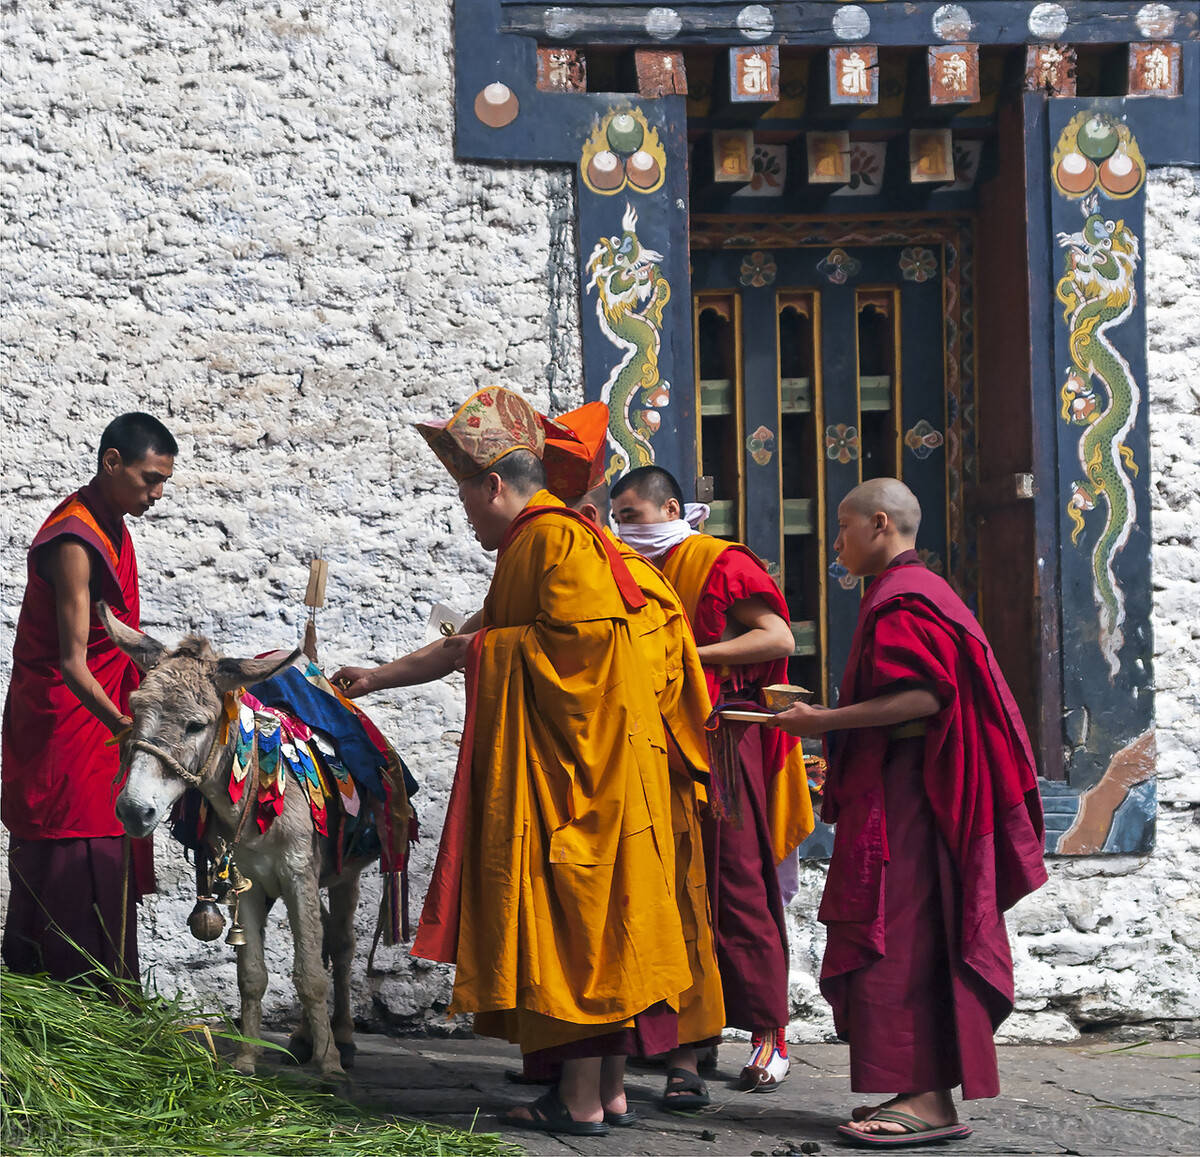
<point x="81" y="1075"/>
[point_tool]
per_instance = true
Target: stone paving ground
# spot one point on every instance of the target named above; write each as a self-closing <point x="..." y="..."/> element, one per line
<point x="1096" y="1100"/>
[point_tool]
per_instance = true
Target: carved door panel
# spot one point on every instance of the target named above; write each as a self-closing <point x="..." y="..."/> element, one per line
<point x="818" y="369"/>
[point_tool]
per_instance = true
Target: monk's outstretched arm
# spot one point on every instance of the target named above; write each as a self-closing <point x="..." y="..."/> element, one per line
<point x="68" y="568"/>
<point x="883" y="711"/>
<point x="433" y="661"/>
<point x="764" y="637"/>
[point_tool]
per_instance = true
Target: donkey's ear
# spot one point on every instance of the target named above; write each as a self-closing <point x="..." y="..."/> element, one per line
<point x="234" y="673"/>
<point x="144" y="650"/>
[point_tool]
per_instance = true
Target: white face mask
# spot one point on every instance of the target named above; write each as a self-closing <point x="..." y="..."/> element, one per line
<point x="654" y="539"/>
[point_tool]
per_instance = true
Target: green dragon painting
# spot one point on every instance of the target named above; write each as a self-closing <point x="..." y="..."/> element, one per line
<point x="631" y="296"/>
<point x="1097" y="291"/>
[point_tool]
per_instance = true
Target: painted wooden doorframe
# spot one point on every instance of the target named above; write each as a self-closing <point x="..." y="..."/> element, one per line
<point x="1106" y="803"/>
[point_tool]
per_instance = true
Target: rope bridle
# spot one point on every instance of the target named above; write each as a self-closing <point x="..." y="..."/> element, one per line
<point x="191" y="778"/>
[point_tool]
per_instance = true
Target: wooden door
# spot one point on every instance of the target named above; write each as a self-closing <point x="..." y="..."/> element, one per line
<point x="818" y="368"/>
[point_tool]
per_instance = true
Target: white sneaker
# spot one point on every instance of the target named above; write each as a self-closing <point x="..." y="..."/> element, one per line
<point x="768" y="1065"/>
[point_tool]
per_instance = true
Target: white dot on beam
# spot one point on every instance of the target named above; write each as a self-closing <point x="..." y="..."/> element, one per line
<point x="1048" y="21"/>
<point x="663" y="23"/>
<point x="952" y="22"/>
<point x="559" y="22"/>
<point x="1156" y="21"/>
<point x="755" y="22"/>
<point x="851" y="22"/>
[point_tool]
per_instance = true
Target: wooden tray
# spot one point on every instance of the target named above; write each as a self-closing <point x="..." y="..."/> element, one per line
<point x="747" y="716"/>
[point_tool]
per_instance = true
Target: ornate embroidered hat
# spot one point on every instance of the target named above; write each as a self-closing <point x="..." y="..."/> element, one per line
<point x="574" y="457"/>
<point x="491" y="423"/>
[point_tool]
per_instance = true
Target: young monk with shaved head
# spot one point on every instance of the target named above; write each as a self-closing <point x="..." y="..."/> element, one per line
<point x="933" y="789"/>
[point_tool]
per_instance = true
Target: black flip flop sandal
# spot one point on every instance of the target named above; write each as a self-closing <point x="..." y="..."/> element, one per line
<point x="549" y="1115"/>
<point x="685" y="1090"/>
<point x="621" y="1120"/>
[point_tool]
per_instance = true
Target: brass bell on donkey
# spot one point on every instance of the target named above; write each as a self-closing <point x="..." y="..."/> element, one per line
<point x="205" y="921"/>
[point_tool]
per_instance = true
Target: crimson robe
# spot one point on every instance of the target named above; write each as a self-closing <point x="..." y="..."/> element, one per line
<point x="936" y="837"/>
<point x="751" y="936"/>
<point x="57" y="796"/>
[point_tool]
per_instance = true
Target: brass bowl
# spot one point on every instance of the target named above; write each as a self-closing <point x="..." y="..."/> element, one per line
<point x="781" y="696"/>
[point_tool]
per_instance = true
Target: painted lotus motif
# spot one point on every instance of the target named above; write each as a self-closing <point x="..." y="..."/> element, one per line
<point x="758" y="269"/>
<point x="923" y="439"/>
<point x="917" y="264"/>
<point x="761" y="445"/>
<point x="844" y="578"/>
<point x="932" y="560"/>
<point x="838" y="266"/>
<point x="841" y="443"/>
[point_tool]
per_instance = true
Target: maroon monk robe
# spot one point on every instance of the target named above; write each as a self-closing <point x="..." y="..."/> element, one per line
<point x="747" y="907"/>
<point x="936" y="837"/>
<point x="66" y="856"/>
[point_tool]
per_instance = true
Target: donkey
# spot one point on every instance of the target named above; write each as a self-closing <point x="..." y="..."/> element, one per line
<point x="177" y="713"/>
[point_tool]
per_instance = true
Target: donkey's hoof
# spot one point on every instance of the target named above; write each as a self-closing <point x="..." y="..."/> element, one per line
<point x="347" y="1053"/>
<point x="335" y="1082"/>
<point x="300" y="1050"/>
<point x="244" y="1065"/>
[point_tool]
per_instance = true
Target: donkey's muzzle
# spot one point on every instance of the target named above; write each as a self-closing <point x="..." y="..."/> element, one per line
<point x="138" y="819"/>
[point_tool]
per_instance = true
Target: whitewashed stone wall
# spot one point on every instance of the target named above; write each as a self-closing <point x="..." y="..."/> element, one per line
<point x="252" y="224"/>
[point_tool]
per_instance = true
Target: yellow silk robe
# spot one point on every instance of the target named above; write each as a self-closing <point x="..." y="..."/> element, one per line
<point x="567" y="924"/>
<point x="666" y="643"/>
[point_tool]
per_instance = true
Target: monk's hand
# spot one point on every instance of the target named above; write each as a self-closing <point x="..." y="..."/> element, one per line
<point x="802" y="719"/>
<point x="354" y="681"/>
<point x="458" y="646"/>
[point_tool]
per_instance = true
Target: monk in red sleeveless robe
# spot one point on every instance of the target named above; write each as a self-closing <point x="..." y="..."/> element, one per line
<point x="933" y="788"/>
<point x="73" y="872"/>
<point x="743" y="637"/>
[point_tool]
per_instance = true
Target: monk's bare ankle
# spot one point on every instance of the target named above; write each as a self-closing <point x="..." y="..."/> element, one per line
<point x="683" y="1058"/>
<point x="579" y="1088"/>
<point x="612" y="1085"/>
<point x="935" y="1107"/>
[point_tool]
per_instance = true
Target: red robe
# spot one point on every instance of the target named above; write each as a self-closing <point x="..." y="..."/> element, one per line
<point x="936" y="837"/>
<point x="751" y="936"/>
<point x="57" y="772"/>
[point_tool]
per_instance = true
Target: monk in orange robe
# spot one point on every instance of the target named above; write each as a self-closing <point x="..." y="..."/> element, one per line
<point x="554" y="887"/>
<point x="762" y="807"/>
<point x="934" y="792"/>
<point x="574" y="463"/>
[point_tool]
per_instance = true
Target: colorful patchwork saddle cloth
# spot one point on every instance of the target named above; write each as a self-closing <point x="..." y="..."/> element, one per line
<point x="297" y="732"/>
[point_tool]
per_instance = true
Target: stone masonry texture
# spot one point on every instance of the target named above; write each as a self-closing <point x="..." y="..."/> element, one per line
<point x="248" y="219"/>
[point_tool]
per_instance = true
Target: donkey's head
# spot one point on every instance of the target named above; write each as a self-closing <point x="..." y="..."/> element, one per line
<point x="176" y="710"/>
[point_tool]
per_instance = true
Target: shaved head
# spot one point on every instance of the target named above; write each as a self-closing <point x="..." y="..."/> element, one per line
<point x="650" y="482"/>
<point x="597" y="498"/>
<point x="888" y="496"/>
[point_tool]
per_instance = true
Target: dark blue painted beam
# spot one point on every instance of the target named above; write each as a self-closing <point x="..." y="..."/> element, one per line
<point x="825" y="22"/>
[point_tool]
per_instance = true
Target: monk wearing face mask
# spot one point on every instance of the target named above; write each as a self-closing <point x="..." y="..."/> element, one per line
<point x="760" y="807"/>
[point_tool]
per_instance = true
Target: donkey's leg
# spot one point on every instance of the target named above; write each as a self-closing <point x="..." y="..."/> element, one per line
<point x="312" y="985"/>
<point x="251" y="973"/>
<point x="339" y="946"/>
